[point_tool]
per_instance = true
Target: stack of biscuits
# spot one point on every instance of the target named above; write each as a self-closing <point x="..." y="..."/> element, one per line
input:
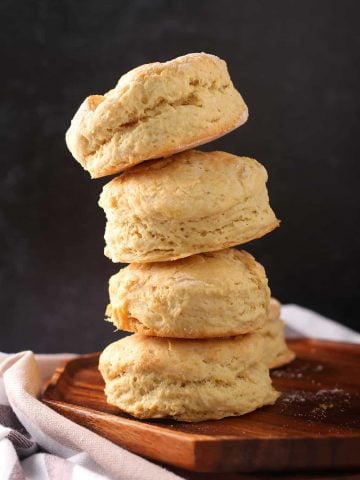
<point x="205" y="329"/>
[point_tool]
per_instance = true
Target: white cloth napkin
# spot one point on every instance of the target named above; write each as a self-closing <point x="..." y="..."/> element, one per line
<point x="301" y="322"/>
<point x="36" y="443"/>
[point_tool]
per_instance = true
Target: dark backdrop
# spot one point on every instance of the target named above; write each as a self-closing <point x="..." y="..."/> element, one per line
<point x="297" y="65"/>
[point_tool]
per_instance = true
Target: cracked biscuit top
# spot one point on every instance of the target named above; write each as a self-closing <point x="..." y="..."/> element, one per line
<point x="154" y="111"/>
<point x="190" y="203"/>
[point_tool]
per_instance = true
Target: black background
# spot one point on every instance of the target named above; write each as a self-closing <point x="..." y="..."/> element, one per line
<point x="297" y="65"/>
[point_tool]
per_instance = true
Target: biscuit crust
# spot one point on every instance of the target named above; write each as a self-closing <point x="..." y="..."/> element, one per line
<point x="276" y="351"/>
<point x="190" y="203"/>
<point x="218" y="294"/>
<point x="154" y="111"/>
<point x="188" y="380"/>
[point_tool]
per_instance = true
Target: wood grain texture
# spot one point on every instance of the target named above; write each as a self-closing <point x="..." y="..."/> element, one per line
<point x="324" y="475"/>
<point x="314" y="425"/>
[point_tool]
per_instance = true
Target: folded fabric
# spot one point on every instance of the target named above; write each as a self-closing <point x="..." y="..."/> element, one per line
<point x="302" y="322"/>
<point x="38" y="443"/>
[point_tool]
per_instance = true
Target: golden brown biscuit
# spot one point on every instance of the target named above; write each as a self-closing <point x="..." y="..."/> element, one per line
<point x="276" y="351"/>
<point x="190" y="203"/>
<point x="188" y="380"/>
<point x="215" y="294"/>
<point x="155" y="111"/>
<point x="274" y="309"/>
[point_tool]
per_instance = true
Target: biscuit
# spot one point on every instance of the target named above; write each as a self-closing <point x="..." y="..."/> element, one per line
<point x="190" y="203"/>
<point x="274" y="309"/>
<point x="276" y="351"/>
<point x="188" y="380"/>
<point x="154" y="111"/>
<point x="215" y="294"/>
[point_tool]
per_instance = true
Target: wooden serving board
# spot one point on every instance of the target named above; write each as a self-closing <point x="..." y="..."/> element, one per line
<point x="314" y="425"/>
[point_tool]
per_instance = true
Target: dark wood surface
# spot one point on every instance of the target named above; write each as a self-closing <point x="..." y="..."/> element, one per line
<point x="314" y="425"/>
<point x="323" y="475"/>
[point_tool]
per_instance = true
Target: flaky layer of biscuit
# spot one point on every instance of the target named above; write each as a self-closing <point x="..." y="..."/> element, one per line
<point x="155" y="111"/>
<point x="189" y="380"/>
<point x="190" y="203"/>
<point x="276" y="351"/>
<point x="274" y="309"/>
<point x="217" y="294"/>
